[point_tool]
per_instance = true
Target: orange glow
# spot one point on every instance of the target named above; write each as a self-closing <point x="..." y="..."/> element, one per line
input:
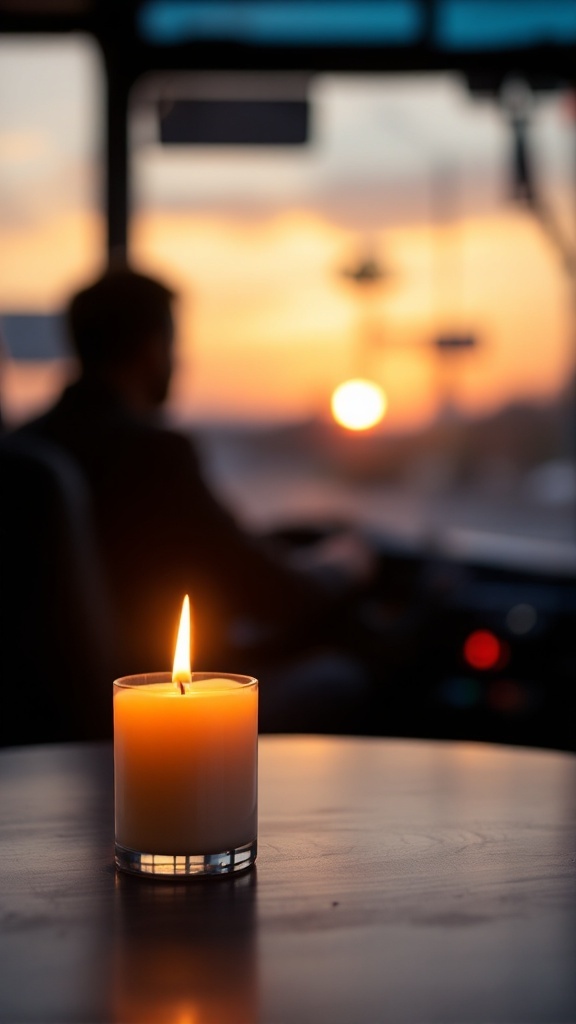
<point x="267" y="294"/>
<point x="42" y="261"/>
<point x="358" y="404"/>
<point x="483" y="650"/>
<point x="263" y="299"/>
<point x="181" y="672"/>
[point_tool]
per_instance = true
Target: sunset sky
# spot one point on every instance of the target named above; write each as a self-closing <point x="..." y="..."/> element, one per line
<point x="409" y="171"/>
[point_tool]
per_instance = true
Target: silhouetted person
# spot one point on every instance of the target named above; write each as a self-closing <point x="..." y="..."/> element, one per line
<point x="160" y="530"/>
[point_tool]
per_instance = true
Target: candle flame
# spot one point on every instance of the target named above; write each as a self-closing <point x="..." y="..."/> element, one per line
<point x="181" y="672"/>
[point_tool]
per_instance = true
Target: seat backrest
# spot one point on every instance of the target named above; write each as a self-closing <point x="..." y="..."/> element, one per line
<point x="55" y="684"/>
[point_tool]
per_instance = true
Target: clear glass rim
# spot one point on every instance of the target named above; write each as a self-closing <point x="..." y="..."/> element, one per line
<point x="149" y="678"/>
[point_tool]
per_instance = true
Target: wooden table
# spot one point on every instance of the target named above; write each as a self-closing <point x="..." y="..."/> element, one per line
<point x="396" y="881"/>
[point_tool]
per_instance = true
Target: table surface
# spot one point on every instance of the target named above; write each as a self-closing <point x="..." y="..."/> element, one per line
<point x="396" y="880"/>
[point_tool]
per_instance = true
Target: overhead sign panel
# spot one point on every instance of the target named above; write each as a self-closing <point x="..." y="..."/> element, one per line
<point x="244" y="122"/>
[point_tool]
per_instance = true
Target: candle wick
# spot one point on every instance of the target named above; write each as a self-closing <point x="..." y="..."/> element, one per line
<point x="181" y="685"/>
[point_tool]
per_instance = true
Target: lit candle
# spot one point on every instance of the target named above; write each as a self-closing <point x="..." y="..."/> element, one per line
<point x="185" y="769"/>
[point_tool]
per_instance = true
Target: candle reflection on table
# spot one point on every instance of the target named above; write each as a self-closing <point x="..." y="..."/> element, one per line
<point x="169" y="968"/>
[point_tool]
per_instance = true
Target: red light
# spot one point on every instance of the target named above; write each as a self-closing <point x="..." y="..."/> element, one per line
<point x="483" y="650"/>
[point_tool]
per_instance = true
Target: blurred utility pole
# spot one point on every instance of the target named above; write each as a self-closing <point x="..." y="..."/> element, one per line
<point x="114" y="31"/>
<point x="517" y="102"/>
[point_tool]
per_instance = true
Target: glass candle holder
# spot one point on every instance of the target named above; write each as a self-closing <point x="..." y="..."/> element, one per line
<point x="185" y="774"/>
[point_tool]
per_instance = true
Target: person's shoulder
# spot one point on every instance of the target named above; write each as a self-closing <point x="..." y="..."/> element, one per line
<point x="168" y="442"/>
<point x="165" y="433"/>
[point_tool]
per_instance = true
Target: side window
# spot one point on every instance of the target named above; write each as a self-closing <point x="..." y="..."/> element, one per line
<point x="51" y="225"/>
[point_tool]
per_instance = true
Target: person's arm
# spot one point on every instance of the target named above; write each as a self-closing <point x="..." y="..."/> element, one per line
<point x="252" y="576"/>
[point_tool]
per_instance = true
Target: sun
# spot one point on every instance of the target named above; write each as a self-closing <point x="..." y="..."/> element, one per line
<point x="358" y="404"/>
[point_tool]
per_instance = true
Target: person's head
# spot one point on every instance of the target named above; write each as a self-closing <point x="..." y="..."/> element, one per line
<point x="121" y="328"/>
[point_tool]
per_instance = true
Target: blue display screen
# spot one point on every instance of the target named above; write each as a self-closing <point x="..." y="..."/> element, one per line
<point x="172" y="22"/>
<point x="459" y="24"/>
<point x="502" y="24"/>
